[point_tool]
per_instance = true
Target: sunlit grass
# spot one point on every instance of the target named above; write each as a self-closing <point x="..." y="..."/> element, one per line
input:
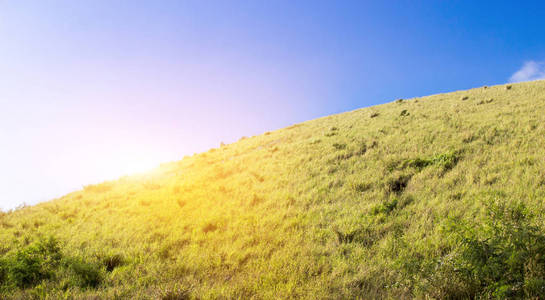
<point x="388" y="201"/>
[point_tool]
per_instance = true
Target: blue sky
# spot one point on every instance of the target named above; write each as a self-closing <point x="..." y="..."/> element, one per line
<point x="92" y="90"/>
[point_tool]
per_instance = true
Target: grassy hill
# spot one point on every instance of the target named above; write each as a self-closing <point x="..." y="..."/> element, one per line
<point x="439" y="197"/>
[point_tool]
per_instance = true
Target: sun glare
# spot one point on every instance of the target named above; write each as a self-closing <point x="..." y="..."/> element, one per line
<point x="131" y="165"/>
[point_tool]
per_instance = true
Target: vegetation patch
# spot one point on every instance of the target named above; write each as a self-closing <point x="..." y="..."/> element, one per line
<point x="445" y="161"/>
<point x="339" y="146"/>
<point x="44" y="261"/>
<point x="444" y="204"/>
<point x="397" y="184"/>
<point x="501" y="257"/>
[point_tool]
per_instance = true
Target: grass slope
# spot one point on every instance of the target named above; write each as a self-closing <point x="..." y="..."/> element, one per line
<point x="439" y="197"/>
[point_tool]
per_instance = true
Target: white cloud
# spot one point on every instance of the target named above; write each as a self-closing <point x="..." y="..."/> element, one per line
<point x="531" y="70"/>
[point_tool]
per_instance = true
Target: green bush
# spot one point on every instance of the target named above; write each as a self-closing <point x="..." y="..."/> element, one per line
<point x="445" y="161"/>
<point x="112" y="261"/>
<point x="34" y="263"/>
<point x="84" y="274"/>
<point x="3" y="272"/>
<point x="502" y="257"/>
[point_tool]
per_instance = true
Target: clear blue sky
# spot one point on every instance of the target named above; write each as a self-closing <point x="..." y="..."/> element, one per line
<point x="91" y="90"/>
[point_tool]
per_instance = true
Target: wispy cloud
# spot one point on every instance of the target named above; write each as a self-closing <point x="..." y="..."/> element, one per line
<point x="531" y="70"/>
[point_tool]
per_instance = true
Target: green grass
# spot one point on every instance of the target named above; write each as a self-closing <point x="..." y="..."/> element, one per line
<point x="437" y="197"/>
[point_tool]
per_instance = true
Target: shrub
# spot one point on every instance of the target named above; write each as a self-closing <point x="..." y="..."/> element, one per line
<point x="417" y="163"/>
<point x="112" y="261"/>
<point x="35" y="263"/>
<point x="84" y="274"/>
<point x="398" y="184"/>
<point x="374" y="115"/>
<point x="465" y="98"/>
<point x="445" y="161"/>
<point x="345" y="237"/>
<point x="340" y="157"/>
<point x="385" y="207"/>
<point x="362" y="150"/>
<point x="3" y="272"/>
<point x="339" y="146"/>
<point x="508" y="87"/>
<point x="404" y="113"/>
<point x="361" y="187"/>
<point x="448" y="160"/>
<point x="501" y="257"/>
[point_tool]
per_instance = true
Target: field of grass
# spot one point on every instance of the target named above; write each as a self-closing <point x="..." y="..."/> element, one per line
<point x="437" y="197"/>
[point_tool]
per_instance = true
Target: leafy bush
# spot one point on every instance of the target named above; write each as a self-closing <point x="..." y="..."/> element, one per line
<point x="3" y="272"/>
<point x="385" y="207"/>
<point x="339" y="146"/>
<point x="502" y="257"/>
<point x="361" y="187"/>
<point x="112" y="261"/>
<point x="34" y="263"/>
<point x="84" y="274"/>
<point x="398" y="184"/>
<point x="445" y="161"/>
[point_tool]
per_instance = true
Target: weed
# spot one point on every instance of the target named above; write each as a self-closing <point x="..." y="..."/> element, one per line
<point x="84" y="274"/>
<point x="174" y="293"/>
<point x="338" y="146"/>
<point x="501" y="257"/>
<point x="397" y="184"/>
<point x="209" y="227"/>
<point x="361" y="187"/>
<point x="112" y="261"/>
<point x="361" y="150"/>
<point x="385" y="207"/>
<point x="34" y="263"/>
<point x="345" y="237"/>
<point x="446" y="161"/>
<point x="3" y="272"/>
<point x="343" y="156"/>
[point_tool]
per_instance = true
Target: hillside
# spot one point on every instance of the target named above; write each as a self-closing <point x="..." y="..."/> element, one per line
<point x="438" y="196"/>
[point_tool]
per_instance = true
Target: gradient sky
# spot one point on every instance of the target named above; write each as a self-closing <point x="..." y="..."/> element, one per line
<point x="92" y="90"/>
